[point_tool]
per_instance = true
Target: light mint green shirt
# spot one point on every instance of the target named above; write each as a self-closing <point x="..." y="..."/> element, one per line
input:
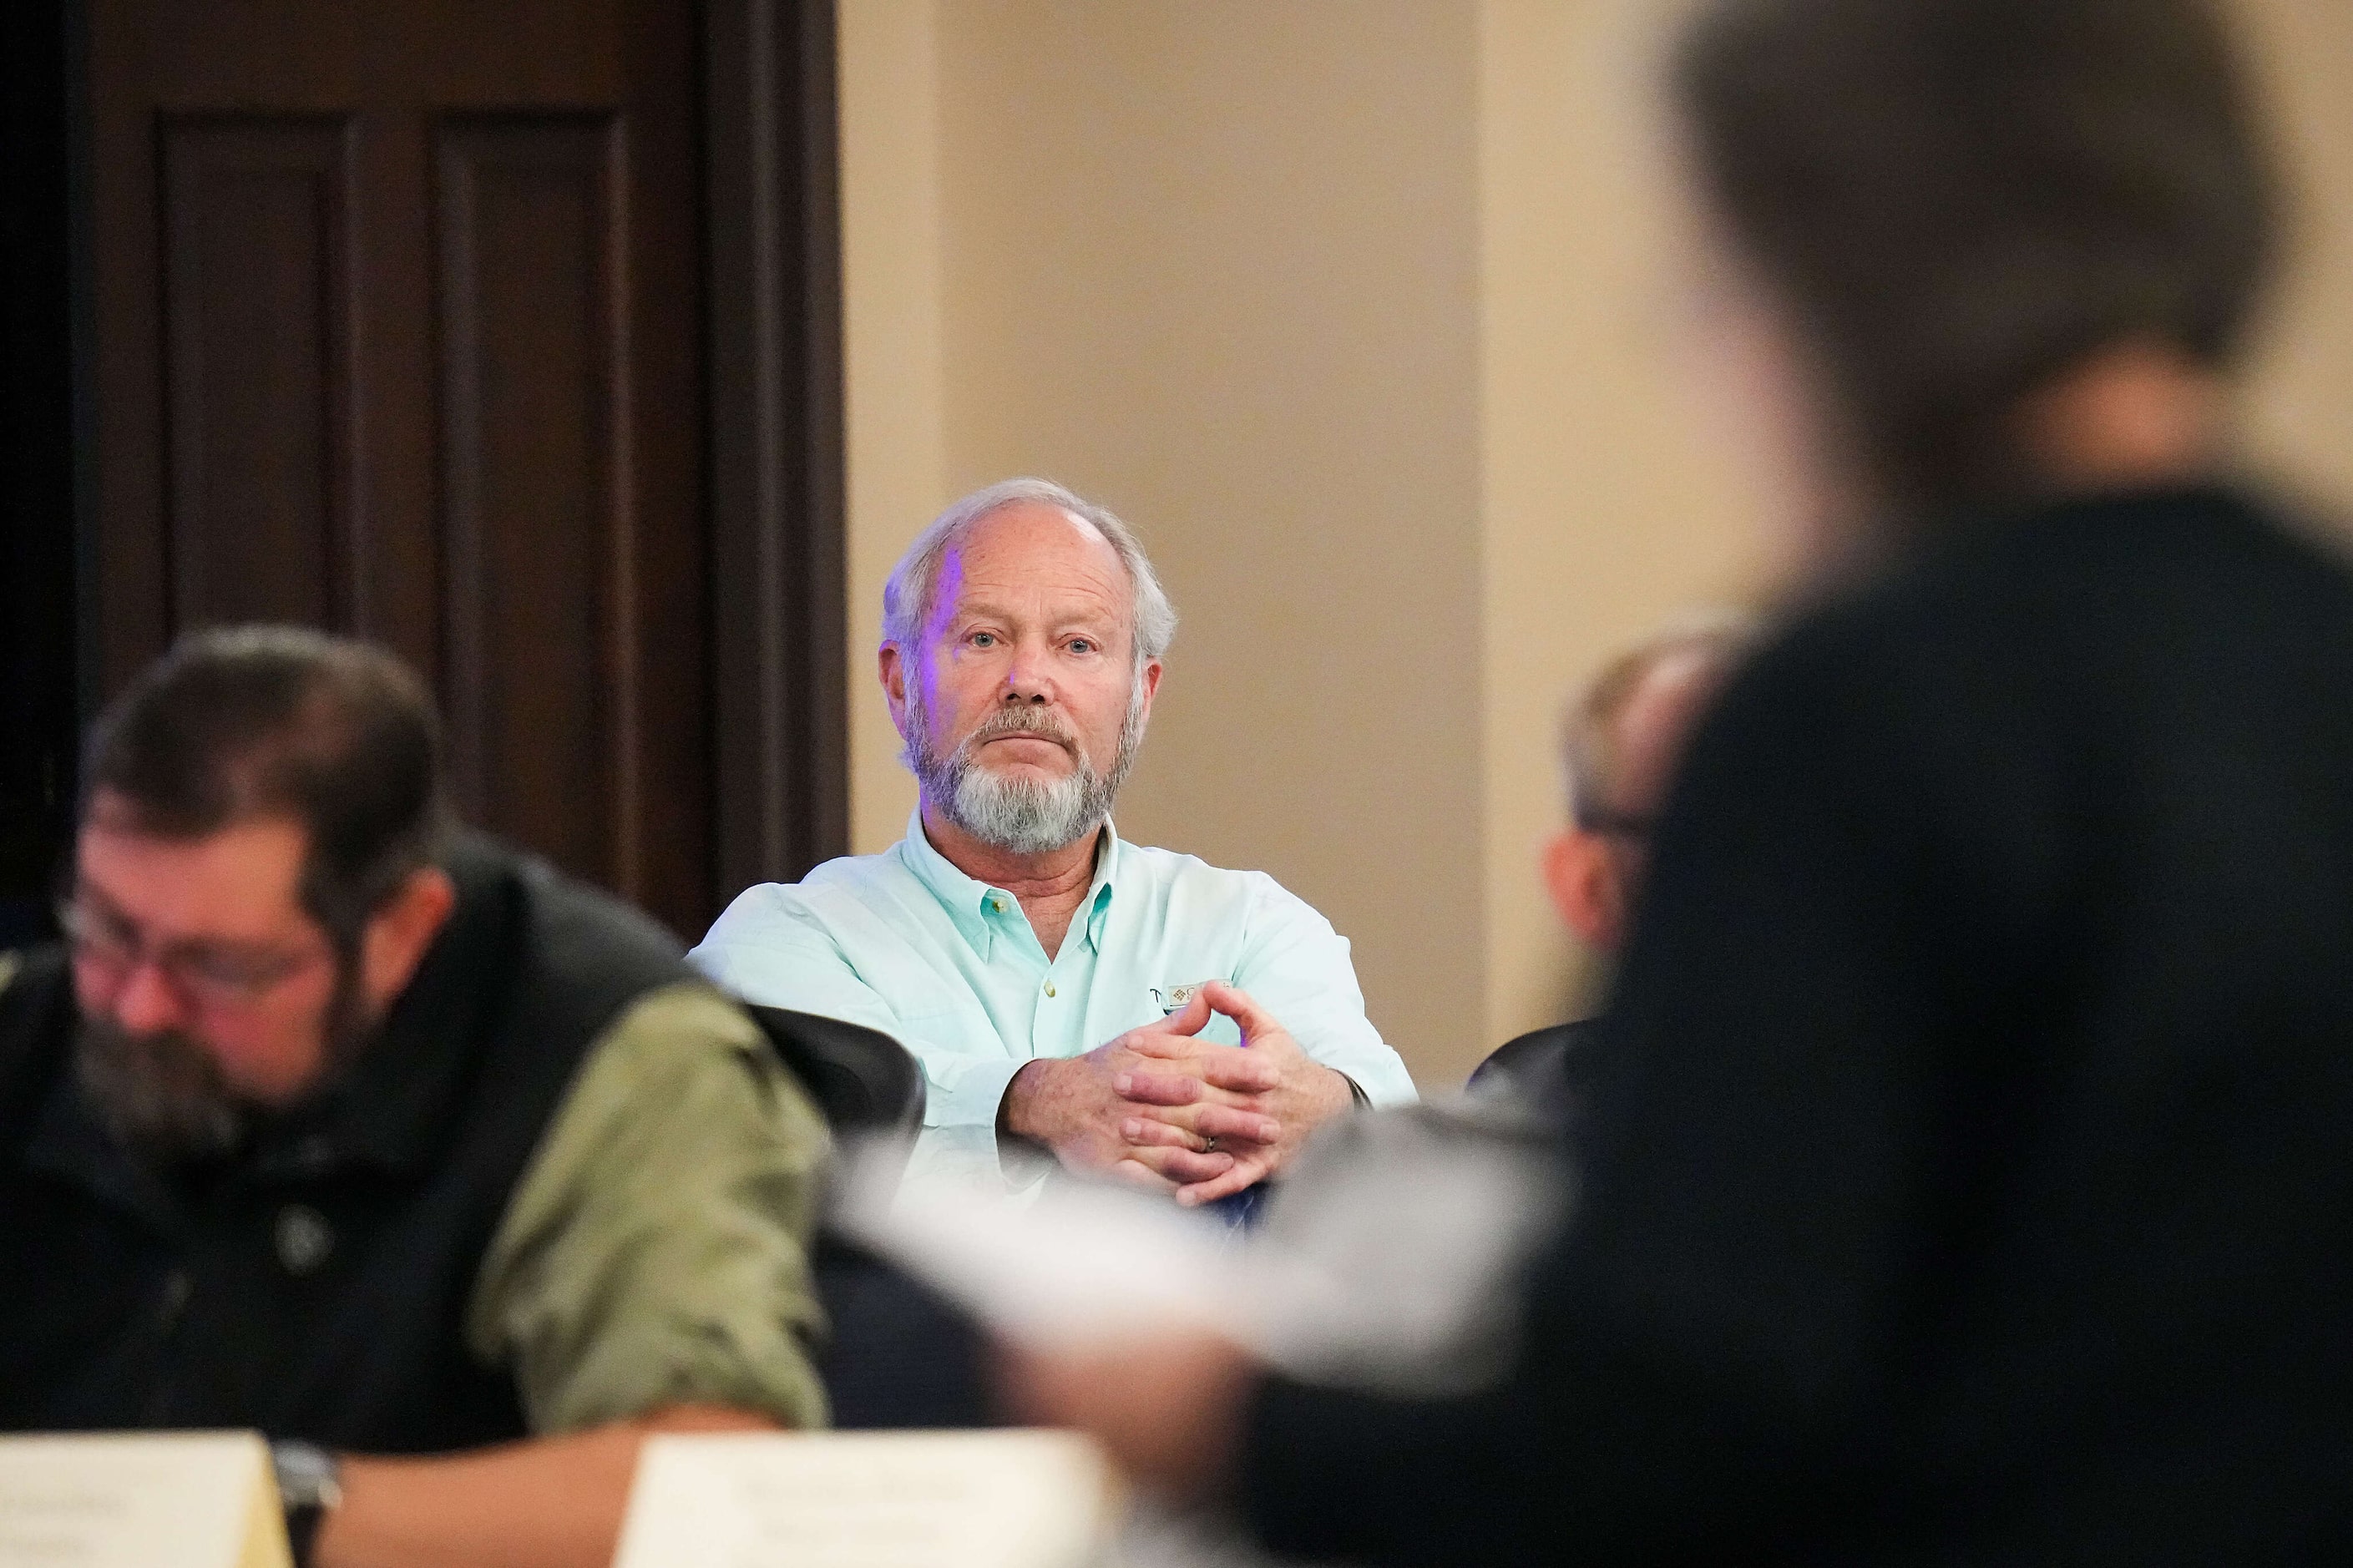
<point x="904" y="942"/>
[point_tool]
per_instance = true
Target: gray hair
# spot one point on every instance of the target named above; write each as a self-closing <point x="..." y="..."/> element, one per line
<point x="907" y="596"/>
<point x="1590" y="744"/>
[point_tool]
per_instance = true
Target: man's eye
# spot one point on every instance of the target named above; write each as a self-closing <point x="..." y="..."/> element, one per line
<point x="1082" y="644"/>
<point x="224" y="969"/>
<point x="984" y="639"/>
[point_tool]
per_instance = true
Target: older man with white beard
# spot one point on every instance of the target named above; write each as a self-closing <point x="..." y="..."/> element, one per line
<point x="1132" y="1013"/>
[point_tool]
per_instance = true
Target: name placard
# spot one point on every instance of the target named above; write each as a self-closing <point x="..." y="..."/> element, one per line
<point x="869" y="1500"/>
<point x="140" y="1500"/>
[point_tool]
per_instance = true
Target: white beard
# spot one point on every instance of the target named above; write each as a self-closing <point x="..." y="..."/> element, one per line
<point x="1024" y="815"/>
<point x="1021" y="815"/>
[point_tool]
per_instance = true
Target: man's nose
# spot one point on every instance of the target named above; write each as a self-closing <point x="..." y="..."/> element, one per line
<point x="146" y="1002"/>
<point x="1027" y="681"/>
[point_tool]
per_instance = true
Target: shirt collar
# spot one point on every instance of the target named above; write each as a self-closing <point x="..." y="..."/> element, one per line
<point x="972" y="905"/>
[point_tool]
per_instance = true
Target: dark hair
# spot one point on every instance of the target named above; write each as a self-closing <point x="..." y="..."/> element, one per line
<point x="1954" y="199"/>
<point x="281" y="722"/>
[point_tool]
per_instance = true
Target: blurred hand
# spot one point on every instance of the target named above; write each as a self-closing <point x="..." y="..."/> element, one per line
<point x="1169" y="1408"/>
<point x="1259" y="1101"/>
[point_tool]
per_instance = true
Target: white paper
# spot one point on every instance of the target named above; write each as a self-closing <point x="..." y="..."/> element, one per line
<point x="203" y="1499"/>
<point x="1389" y="1260"/>
<point x="868" y="1499"/>
<point x="1069" y="1265"/>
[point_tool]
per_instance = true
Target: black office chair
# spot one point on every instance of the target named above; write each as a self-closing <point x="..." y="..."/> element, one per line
<point x="862" y="1079"/>
<point x="899" y="1356"/>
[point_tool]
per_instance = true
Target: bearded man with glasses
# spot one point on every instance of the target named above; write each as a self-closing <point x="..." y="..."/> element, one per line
<point x="330" y="1120"/>
<point x="1127" y="1012"/>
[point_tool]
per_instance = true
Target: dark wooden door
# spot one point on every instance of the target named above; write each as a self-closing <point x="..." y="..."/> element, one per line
<point x="400" y="314"/>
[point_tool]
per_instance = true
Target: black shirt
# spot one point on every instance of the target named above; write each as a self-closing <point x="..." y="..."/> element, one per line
<point x="1971" y="1180"/>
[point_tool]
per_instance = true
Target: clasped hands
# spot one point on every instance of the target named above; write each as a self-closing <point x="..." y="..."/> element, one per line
<point x="1164" y="1109"/>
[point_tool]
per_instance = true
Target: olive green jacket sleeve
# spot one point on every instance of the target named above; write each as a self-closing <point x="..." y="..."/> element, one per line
<point x="657" y="1251"/>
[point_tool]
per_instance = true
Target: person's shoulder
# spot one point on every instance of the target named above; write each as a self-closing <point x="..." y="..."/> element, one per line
<point x="36" y="999"/>
<point x="2003" y="597"/>
<point x="1154" y="863"/>
<point x="1176" y="875"/>
<point x="2108" y="595"/>
<point x="840" y="891"/>
<point x="2100" y="566"/>
<point x="680" y="1034"/>
<point x="567" y="933"/>
<point x="851" y="881"/>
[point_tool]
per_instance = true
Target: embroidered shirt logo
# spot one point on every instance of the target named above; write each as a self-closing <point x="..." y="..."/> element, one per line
<point x="1175" y="997"/>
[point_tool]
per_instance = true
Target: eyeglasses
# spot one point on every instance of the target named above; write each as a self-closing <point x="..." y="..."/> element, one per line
<point x="203" y="974"/>
<point x="1632" y="827"/>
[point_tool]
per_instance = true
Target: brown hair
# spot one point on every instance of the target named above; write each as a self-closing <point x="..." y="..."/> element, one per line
<point x="260" y="721"/>
<point x="1954" y="199"/>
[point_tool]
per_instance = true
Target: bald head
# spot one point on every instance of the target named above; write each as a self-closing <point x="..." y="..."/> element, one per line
<point x="910" y="596"/>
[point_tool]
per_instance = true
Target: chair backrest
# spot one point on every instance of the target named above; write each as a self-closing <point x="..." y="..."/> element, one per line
<point x="898" y="1356"/>
<point x="862" y="1079"/>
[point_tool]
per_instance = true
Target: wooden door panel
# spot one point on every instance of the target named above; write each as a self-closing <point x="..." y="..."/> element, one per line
<point x="258" y="318"/>
<point x="532" y="453"/>
<point x="405" y="339"/>
<point x="400" y="330"/>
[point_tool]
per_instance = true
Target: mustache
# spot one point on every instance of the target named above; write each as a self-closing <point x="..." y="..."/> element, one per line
<point x="1043" y="723"/>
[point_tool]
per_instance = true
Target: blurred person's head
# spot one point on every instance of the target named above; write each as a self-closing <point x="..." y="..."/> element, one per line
<point x="1977" y="252"/>
<point x="1022" y="636"/>
<point x="255" y="879"/>
<point x="1619" y="745"/>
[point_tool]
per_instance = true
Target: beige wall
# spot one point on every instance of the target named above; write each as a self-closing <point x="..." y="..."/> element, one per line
<point x="1203" y="265"/>
<point x="893" y="355"/>
<point x="1361" y="310"/>
<point x="1605" y="512"/>
<point x="2301" y="398"/>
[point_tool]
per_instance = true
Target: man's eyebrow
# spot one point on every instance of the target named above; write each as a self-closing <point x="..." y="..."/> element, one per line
<point x="81" y="890"/>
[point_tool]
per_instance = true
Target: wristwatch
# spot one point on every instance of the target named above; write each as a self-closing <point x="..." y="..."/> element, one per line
<point x="310" y="1482"/>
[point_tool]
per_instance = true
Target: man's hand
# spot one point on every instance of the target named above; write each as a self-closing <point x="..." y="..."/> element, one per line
<point x="1259" y="1101"/>
<point x="1078" y="1108"/>
<point x="1169" y="1408"/>
<point x="1162" y="1108"/>
<point x="549" y="1502"/>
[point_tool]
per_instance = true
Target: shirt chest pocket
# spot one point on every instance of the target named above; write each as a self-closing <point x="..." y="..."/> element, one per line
<point x="1164" y="1001"/>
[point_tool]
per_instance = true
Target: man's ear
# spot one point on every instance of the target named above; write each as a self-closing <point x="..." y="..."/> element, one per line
<point x="891" y="665"/>
<point x="398" y="933"/>
<point x="1583" y="882"/>
<point x="1150" y="676"/>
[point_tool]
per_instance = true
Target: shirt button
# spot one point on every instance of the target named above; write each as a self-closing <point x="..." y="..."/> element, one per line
<point x="1050" y="988"/>
<point x="304" y="1239"/>
<point x="996" y="904"/>
<point x="176" y="1291"/>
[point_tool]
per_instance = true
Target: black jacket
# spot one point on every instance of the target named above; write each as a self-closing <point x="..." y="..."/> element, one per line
<point x="318" y="1289"/>
<point x="1972" y="1177"/>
